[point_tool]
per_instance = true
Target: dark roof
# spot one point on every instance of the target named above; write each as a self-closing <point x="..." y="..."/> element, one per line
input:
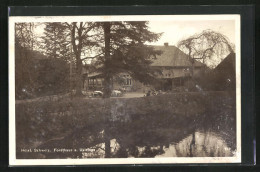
<point x="223" y="77"/>
<point x="95" y="75"/>
<point x="229" y="63"/>
<point x="172" y="56"/>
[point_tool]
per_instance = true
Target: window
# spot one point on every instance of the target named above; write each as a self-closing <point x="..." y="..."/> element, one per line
<point x="128" y="81"/>
<point x="186" y="72"/>
<point x="179" y="82"/>
<point x="168" y="74"/>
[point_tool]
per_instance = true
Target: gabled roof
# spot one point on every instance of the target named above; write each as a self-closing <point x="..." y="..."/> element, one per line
<point x="229" y="63"/>
<point x="173" y="56"/>
<point x="223" y="77"/>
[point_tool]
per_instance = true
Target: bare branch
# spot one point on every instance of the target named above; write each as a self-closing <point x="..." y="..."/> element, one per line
<point x="206" y="45"/>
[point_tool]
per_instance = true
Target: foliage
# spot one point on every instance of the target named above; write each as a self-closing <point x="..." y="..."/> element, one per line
<point x="136" y="62"/>
<point x="24" y="35"/>
<point x="25" y="72"/>
<point x="125" y="50"/>
<point x="56" y="41"/>
<point x="117" y="47"/>
<point x="37" y="75"/>
<point x="53" y="76"/>
<point x="81" y="43"/>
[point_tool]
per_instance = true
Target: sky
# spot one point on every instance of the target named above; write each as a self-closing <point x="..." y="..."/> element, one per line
<point x="175" y="31"/>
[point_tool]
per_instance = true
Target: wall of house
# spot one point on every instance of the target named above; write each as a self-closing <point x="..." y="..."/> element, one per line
<point x="125" y="83"/>
<point x="198" y="70"/>
<point x="170" y="79"/>
<point x="93" y="84"/>
<point x="134" y="86"/>
<point x="172" y="72"/>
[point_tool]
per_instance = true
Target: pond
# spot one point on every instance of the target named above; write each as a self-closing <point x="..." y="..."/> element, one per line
<point x="199" y="144"/>
<point x="182" y="126"/>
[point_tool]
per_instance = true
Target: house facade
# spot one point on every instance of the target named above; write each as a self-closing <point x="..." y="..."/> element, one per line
<point x="175" y="67"/>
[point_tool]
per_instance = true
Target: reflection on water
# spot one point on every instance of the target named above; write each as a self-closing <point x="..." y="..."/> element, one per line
<point x="98" y="151"/>
<point x="199" y="144"/>
<point x="148" y="137"/>
<point x="206" y="145"/>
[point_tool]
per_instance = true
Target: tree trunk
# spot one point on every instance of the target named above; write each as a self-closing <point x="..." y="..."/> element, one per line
<point x="78" y="78"/>
<point x="77" y="52"/>
<point x="107" y="86"/>
<point x="107" y="143"/>
<point x="107" y="74"/>
<point x="192" y="144"/>
<point x="191" y="80"/>
<point x="192" y="67"/>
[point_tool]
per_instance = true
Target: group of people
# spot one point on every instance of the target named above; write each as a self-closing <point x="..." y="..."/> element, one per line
<point x="153" y="93"/>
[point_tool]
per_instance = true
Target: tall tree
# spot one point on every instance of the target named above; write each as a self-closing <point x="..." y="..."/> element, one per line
<point x="126" y="50"/>
<point x="205" y="46"/>
<point x="24" y="35"/>
<point x="56" y="43"/>
<point x="71" y="42"/>
<point x="25" y="76"/>
<point x="81" y="41"/>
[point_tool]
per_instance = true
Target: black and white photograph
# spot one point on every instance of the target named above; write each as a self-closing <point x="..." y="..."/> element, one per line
<point x="124" y="89"/>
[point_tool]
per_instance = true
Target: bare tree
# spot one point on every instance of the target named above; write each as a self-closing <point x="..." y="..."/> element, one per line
<point x="24" y="35"/>
<point x="81" y="41"/>
<point x="205" y="46"/>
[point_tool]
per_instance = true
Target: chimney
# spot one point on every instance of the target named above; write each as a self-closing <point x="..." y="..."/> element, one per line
<point x="166" y="44"/>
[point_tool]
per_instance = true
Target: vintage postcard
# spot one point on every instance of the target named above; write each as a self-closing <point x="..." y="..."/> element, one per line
<point x="133" y="89"/>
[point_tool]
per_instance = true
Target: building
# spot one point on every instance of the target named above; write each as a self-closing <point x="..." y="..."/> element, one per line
<point x="224" y="75"/>
<point x="175" y="68"/>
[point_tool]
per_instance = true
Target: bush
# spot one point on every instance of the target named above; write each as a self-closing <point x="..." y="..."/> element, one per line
<point x="53" y="77"/>
<point x="37" y="75"/>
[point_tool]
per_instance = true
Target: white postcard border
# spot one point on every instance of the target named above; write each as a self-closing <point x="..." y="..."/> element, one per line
<point x="12" y="141"/>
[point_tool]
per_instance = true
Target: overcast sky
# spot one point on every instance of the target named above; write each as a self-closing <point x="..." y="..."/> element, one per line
<point x="174" y="31"/>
